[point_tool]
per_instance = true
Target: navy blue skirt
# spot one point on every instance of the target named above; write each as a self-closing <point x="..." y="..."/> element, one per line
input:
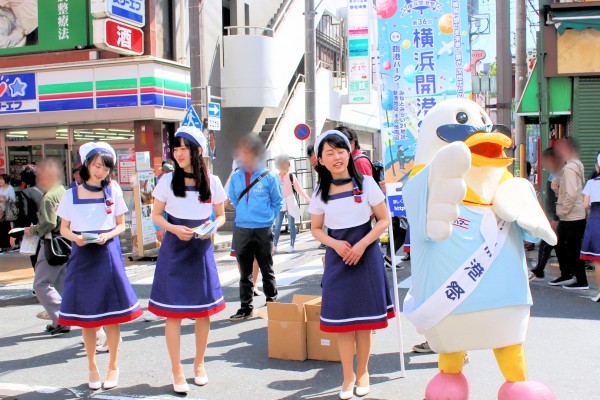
<point x="97" y="291"/>
<point x="590" y="247"/>
<point x="186" y="280"/>
<point x="356" y="297"/>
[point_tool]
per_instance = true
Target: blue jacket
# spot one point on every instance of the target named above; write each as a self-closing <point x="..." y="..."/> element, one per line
<point x="261" y="205"/>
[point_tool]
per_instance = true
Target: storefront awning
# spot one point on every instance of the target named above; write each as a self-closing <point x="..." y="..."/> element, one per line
<point x="559" y="94"/>
<point x="576" y="19"/>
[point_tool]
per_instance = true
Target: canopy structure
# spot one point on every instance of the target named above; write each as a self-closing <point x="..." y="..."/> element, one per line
<point x="579" y="19"/>
<point x="560" y="91"/>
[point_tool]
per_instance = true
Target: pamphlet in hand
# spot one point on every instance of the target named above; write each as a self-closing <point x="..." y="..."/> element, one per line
<point x="91" y="238"/>
<point x="209" y="229"/>
<point x="29" y="245"/>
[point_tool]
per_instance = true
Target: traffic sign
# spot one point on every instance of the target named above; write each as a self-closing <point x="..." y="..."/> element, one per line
<point x="130" y="11"/>
<point x="214" y="124"/>
<point x="191" y="118"/>
<point x="302" y="131"/>
<point x="118" y="37"/>
<point x="214" y="110"/>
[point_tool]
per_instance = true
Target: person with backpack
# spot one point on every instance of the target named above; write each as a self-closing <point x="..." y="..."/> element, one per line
<point x="28" y="203"/>
<point x="361" y="161"/>
<point x="291" y="189"/>
<point x="255" y="193"/>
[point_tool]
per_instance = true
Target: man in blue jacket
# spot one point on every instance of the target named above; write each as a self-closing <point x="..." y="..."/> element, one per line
<point x="257" y="197"/>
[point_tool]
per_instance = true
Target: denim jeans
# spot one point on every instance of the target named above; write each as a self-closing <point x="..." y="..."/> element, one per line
<point x="291" y="224"/>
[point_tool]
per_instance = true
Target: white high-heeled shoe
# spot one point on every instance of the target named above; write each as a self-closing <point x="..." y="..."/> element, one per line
<point x="112" y="384"/>
<point x="347" y="394"/>
<point x="201" y="380"/>
<point x="362" y="390"/>
<point x="184" y="388"/>
<point x="103" y="348"/>
<point x="94" y="385"/>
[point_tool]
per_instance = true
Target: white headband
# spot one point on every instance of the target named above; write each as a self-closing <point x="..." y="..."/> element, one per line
<point x="325" y="135"/>
<point x="90" y="149"/>
<point x="192" y="134"/>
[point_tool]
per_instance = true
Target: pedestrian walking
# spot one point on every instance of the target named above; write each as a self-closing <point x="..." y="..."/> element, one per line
<point x="550" y="163"/>
<point x="48" y="281"/>
<point x="256" y="195"/>
<point x="572" y="215"/>
<point x="97" y="291"/>
<point x="291" y="189"/>
<point x="186" y="281"/>
<point x="590" y="249"/>
<point x="7" y="195"/>
<point x="29" y="199"/>
<point x="356" y="294"/>
<point x="361" y="161"/>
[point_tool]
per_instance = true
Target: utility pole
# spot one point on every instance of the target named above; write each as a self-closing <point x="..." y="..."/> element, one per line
<point x="199" y="101"/>
<point x="520" y="76"/>
<point x="503" y="63"/>
<point x="310" y="66"/>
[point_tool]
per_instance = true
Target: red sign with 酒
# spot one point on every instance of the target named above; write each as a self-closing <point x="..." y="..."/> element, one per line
<point x="124" y="38"/>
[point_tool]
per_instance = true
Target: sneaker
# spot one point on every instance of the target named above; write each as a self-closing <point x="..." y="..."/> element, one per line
<point x="58" y="329"/>
<point x="422" y="348"/>
<point x="290" y="249"/>
<point x="406" y="257"/>
<point x="241" y="314"/>
<point x="538" y="273"/>
<point x="257" y="293"/>
<point x="322" y="247"/>
<point x="576" y="286"/>
<point x="561" y="281"/>
<point x="271" y="299"/>
<point x="149" y="317"/>
<point x="596" y="298"/>
<point x="388" y="262"/>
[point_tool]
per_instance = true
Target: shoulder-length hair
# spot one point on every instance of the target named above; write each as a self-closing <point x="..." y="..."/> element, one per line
<point x="199" y="171"/>
<point x="325" y="176"/>
<point x="106" y="160"/>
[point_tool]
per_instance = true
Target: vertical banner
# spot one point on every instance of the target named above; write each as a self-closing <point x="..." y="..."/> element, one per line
<point x="359" y="51"/>
<point x="424" y="52"/>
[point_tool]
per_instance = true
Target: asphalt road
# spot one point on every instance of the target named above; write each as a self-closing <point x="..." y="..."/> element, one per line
<point x="563" y="349"/>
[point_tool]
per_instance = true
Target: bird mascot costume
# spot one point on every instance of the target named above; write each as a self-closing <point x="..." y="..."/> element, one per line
<point x="468" y="219"/>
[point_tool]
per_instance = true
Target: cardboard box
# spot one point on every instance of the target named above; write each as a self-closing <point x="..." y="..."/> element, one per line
<point x="287" y="328"/>
<point x="320" y="345"/>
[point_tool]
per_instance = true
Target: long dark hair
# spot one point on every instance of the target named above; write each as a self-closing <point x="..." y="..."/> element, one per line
<point x="107" y="161"/>
<point x="199" y="171"/>
<point x="325" y="176"/>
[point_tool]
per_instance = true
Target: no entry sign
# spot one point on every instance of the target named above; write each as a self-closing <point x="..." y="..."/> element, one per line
<point x="302" y="131"/>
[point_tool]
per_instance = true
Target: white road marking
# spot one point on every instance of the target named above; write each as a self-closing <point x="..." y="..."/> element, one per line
<point x="405" y="284"/>
<point x="286" y="278"/>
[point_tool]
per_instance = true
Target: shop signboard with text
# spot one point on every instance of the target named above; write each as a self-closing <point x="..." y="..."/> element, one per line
<point x="359" y="55"/>
<point x="129" y="11"/>
<point x="118" y="37"/>
<point x="29" y="26"/>
<point x="425" y="58"/>
<point x="17" y="93"/>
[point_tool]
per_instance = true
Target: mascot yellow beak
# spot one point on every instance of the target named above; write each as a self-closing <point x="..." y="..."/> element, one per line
<point x="487" y="149"/>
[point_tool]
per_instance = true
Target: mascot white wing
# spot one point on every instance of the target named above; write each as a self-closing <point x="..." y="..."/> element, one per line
<point x="447" y="189"/>
<point x="515" y="201"/>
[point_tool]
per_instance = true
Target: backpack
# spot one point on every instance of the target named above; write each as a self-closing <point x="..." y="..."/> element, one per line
<point x="377" y="167"/>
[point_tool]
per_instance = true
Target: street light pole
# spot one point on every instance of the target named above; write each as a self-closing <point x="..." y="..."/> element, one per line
<point x="310" y="65"/>
<point x="199" y="100"/>
<point x="520" y="76"/>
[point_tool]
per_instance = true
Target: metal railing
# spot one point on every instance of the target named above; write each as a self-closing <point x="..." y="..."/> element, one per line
<point x="249" y="30"/>
<point x="282" y="15"/>
<point x="299" y="78"/>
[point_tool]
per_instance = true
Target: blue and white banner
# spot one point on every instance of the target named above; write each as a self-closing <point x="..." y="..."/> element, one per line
<point x="17" y="93"/>
<point x="424" y="54"/>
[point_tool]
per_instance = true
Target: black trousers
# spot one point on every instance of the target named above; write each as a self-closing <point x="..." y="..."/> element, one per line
<point x="249" y="244"/>
<point x="399" y="236"/>
<point x="568" y="248"/>
<point x="543" y="256"/>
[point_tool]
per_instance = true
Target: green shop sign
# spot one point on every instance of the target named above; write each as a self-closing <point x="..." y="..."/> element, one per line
<point x="42" y="25"/>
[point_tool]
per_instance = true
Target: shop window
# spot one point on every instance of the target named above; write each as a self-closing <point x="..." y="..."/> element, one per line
<point x="86" y="134"/>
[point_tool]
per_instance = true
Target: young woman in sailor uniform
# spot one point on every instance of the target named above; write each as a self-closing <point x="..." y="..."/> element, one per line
<point x="590" y="249"/>
<point x="96" y="291"/>
<point x="356" y="293"/>
<point x="186" y="281"/>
